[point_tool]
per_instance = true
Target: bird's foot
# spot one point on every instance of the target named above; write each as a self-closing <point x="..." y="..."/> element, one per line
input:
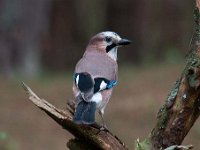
<point x="104" y="128"/>
<point x="97" y="126"/>
<point x="100" y="127"/>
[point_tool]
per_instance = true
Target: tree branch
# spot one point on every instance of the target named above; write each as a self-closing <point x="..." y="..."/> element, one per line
<point x="94" y="138"/>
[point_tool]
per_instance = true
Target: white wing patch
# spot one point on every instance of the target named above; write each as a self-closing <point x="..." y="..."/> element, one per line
<point x="77" y="80"/>
<point x="102" y="86"/>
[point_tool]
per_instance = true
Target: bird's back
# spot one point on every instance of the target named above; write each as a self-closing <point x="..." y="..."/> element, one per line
<point x="98" y="65"/>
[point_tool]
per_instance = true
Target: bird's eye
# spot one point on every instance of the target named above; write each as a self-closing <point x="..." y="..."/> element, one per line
<point x="108" y="39"/>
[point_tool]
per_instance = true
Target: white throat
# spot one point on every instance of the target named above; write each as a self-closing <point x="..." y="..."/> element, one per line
<point x="113" y="53"/>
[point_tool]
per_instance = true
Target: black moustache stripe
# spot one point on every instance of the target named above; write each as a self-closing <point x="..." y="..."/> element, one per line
<point x="108" y="48"/>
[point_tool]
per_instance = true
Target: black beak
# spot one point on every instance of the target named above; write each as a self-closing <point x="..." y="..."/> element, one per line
<point x="124" y="42"/>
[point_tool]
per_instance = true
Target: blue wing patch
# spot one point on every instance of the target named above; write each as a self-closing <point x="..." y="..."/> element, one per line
<point x="111" y="84"/>
<point x="103" y="84"/>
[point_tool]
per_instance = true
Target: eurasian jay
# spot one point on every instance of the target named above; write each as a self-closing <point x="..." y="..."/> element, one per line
<point x="95" y="75"/>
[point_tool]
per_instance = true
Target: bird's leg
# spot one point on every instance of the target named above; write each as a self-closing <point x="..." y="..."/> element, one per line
<point x="103" y="127"/>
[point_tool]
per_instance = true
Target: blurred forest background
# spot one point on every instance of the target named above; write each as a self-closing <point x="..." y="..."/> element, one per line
<point x="51" y="35"/>
<point x="41" y="41"/>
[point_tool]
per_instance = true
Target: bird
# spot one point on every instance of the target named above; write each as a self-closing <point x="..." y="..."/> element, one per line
<point x="95" y="76"/>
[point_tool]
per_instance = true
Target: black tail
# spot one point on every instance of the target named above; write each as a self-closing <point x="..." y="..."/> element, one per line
<point x="85" y="113"/>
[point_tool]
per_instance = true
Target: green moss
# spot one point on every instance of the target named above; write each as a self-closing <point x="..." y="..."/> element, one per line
<point x="196" y="14"/>
<point x="172" y="95"/>
<point x="144" y="145"/>
<point x="162" y="116"/>
<point x="163" y="113"/>
<point x="193" y="62"/>
<point x="192" y="80"/>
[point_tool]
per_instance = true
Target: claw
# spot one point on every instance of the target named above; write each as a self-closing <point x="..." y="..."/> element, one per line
<point x="104" y="128"/>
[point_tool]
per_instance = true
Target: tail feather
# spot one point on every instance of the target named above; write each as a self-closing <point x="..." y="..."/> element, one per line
<point x="85" y="113"/>
<point x="78" y="112"/>
<point x="88" y="116"/>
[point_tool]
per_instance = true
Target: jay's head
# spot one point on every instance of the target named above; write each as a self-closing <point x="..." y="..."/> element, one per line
<point x="108" y="42"/>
